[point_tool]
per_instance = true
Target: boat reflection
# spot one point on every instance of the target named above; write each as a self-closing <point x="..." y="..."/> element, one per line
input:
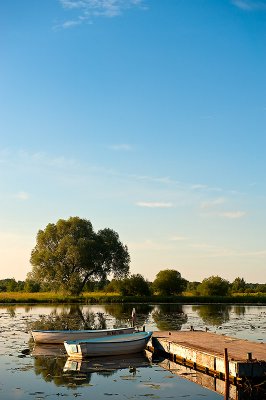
<point x="108" y="364"/>
<point x="51" y="363"/>
<point x="48" y="350"/>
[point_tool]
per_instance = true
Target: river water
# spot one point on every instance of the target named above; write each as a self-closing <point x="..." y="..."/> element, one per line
<point x="28" y="372"/>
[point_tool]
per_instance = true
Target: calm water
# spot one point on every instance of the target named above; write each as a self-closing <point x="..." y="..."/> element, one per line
<point x="52" y="376"/>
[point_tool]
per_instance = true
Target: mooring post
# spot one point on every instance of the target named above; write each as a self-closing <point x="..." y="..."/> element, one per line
<point x="226" y="365"/>
<point x="226" y="375"/>
<point x="133" y="317"/>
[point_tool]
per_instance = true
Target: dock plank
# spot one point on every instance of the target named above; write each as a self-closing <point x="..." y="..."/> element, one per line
<point x="214" y="343"/>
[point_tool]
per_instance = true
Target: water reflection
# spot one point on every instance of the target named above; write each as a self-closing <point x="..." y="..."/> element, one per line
<point x="213" y="314"/>
<point x="169" y="317"/>
<point x="52" y="365"/>
<point x="122" y="313"/>
<point x="11" y="310"/>
<point x="245" y="391"/>
<point x="21" y="377"/>
<point x="74" y="318"/>
<point x="239" y="310"/>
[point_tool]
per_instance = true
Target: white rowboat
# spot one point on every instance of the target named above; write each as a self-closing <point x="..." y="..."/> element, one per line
<point x="107" y="346"/>
<point x="59" y="336"/>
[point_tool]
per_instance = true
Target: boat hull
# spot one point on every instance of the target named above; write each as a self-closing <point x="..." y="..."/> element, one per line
<point x="116" y="345"/>
<point x="59" y="336"/>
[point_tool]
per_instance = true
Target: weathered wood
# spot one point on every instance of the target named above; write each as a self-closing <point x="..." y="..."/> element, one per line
<point x="203" y="350"/>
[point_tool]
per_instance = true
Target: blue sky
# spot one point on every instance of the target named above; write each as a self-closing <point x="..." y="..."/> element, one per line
<point x="144" y="116"/>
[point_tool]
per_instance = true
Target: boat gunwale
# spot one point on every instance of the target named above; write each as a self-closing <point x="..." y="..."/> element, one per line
<point x="69" y="331"/>
<point x="114" y="339"/>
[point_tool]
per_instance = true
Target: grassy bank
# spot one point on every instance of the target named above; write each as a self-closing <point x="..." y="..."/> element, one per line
<point x="103" y="298"/>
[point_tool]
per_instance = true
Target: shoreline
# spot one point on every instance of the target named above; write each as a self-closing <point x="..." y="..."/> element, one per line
<point x="101" y="298"/>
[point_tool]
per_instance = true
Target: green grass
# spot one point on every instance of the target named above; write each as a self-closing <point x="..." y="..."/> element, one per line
<point x="101" y="298"/>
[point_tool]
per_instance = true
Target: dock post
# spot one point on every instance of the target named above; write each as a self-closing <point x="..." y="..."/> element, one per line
<point x="226" y="365"/>
<point x="226" y="375"/>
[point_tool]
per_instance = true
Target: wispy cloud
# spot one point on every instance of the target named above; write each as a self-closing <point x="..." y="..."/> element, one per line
<point x="203" y="246"/>
<point x="85" y="10"/>
<point x="250" y="5"/>
<point x="178" y="238"/>
<point x="213" y="202"/>
<point x="22" y="196"/>
<point x="148" y="245"/>
<point x="43" y="159"/>
<point x="232" y="214"/>
<point x="154" y="204"/>
<point x="121" y="147"/>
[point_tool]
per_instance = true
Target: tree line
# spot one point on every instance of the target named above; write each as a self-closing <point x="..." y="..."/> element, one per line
<point x="71" y="257"/>
<point x="137" y="285"/>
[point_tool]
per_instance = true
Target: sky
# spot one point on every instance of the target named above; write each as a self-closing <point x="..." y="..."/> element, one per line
<point x="144" y="116"/>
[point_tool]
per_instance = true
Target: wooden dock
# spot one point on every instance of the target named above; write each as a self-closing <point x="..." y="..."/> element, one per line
<point x="229" y="390"/>
<point x="228" y="358"/>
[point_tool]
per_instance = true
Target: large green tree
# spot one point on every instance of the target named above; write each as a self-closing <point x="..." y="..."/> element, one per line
<point x="214" y="286"/>
<point x="169" y="282"/>
<point x="134" y="285"/>
<point x="69" y="253"/>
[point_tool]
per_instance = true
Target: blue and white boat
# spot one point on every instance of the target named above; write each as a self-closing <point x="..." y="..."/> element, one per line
<point x="107" y="346"/>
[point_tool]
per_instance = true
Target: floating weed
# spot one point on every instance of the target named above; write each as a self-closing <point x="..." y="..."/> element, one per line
<point x="111" y="394"/>
<point x="36" y="393"/>
<point x="128" y="377"/>
<point x="153" y="385"/>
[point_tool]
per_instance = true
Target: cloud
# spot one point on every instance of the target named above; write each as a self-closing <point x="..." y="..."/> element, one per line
<point x="203" y="246"/>
<point x="147" y="245"/>
<point x="154" y="204"/>
<point x="212" y="203"/>
<point x="225" y="214"/>
<point x="22" y="196"/>
<point x="85" y="10"/>
<point x="70" y="24"/>
<point x="232" y="214"/>
<point x="250" y="5"/>
<point x="121" y="147"/>
<point x="178" y="238"/>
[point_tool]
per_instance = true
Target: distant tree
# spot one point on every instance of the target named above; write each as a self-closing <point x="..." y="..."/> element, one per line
<point x="112" y="286"/>
<point x="69" y="253"/>
<point x="169" y="282"/>
<point x="214" y="286"/>
<point x="261" y="288"/>
<point x="11" y="285"/>
<point x="193" y="287"/>
<point x="93" y="285"/>
<point x="31" y="286"/>
<point x="135" y="285"/>
<point x="238" y="285"/>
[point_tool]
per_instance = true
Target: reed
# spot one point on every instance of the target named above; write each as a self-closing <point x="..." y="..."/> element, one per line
<point x="101" y="298"/>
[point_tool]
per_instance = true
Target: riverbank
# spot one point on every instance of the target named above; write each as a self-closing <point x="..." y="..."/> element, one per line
<point x="107" y="298"/>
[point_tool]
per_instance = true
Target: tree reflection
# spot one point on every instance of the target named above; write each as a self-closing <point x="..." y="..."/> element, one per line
<point x="169" y="317"/>
<point x="122" y="313"/>
<point x="72" y="319"/>
<point x="66" y="371"/>
<point x="240" y="310"/>
<point x="11" y="310"/>
<point x="51" y="370"/>
<point x="213" y="314"/>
